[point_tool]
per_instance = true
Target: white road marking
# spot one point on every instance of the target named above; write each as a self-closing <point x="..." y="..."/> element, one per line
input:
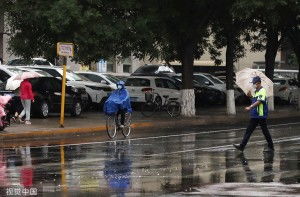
<point x="226" y="147"/>
<point x="166" y="136"/>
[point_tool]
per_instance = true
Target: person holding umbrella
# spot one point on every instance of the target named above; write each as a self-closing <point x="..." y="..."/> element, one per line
<point x="26" y="95"/>
<point x="258" y="113"/>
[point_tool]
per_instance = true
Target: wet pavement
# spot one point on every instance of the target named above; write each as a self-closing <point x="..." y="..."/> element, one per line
<point x="186" y="163"/>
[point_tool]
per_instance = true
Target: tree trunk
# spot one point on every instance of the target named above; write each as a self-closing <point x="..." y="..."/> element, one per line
<point x="270" y="103"/>
<point x="270" y="56"/>
<point x="231" y="110"/>
<point x="294" y="35"/>
<point x="188" y="94"/>
<point x="297" y="52"/>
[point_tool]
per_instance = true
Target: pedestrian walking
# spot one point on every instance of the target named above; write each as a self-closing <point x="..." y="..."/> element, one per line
<point x="258" y="115"/>
<point x="26" y="96"/>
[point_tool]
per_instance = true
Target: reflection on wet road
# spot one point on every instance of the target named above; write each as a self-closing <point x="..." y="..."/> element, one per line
<point x="176" y="165"/>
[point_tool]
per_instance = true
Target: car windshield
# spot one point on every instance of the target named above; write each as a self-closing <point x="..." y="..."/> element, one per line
<point x="214" y="79"/>
<point x="179" y="79"/>
<point x="74" y="77"/>
<point x="139" y="82"/>
<point x="41" y="72"/>
<point x="19" y="62"/>
<point x="112" y="78"/>
<point x="279" y="81"/>
<point x="15" y="70"/>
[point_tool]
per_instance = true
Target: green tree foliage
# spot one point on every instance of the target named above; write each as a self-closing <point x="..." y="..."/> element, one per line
<point x="174" y="30"/>
<point x="228" y="30"/>
<point x="96" y="27"/>
<point x="292" y="20"/>
<point x="271" y="25"/>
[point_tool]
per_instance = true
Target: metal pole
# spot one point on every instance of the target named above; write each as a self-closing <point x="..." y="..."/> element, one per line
<point x="63" y="93"/>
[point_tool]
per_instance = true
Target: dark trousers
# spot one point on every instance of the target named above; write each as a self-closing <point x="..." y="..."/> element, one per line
<point x="251" y="127"/>
<point x="122" y="113"/>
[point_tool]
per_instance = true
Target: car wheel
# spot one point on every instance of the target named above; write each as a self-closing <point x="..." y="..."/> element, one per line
<point x="76" y="109"/>
<point x="43" y="109"/>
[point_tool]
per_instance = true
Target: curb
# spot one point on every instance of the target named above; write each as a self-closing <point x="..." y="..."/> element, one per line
<point x="55" y="132"/>
<point x="171" y="123"/>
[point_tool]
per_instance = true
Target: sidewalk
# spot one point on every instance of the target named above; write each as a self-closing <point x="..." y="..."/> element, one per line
<point x="93" y="122"/>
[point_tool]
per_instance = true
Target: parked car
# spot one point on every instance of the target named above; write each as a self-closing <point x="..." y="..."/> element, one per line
<point x="97" y="92"/>
<point x="29" y="62"/>
<point x="148" y="70"/>
<point x="103" y="78"/>
<point x="120" y="76"/>
<point x="204" y="95"/>
<point x="285" y="89"/>
<point x="47" y="96"/>
<point x="138" y="85"/>
<point x="7" y="74"/>
<point x="210" y="80"/>
<point x="216" y="83"/>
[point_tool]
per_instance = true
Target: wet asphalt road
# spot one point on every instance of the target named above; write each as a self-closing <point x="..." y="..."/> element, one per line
<point x="189" y="163"/>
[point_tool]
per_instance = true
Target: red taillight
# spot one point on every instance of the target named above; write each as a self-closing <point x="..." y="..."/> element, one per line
<point x="282" y="89"/>
<point x="147" y="89"/>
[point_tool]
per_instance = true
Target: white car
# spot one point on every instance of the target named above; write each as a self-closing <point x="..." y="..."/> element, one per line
<point x="285" y="89"/>
<point x="7" y="74"/>
<point x="31" y="62"/>
<point x="138" y="85"/>
<point x="97" y="92"/>
<point x="100" y="78"/>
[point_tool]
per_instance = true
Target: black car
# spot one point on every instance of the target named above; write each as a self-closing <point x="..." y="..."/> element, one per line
<point x="47" y="96"/>
<point x="204" y="95"/>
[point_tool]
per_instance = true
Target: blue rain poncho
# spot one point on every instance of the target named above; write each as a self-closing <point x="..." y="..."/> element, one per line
<point x="118" y="100"/>
<point x="118" y="174"/>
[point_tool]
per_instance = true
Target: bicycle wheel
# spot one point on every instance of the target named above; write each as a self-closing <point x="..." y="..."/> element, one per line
<point x="127" y="125"/>
<point x="111" y="127"/>
<point x="148" y="109"/>
<point x="174" y="108"/>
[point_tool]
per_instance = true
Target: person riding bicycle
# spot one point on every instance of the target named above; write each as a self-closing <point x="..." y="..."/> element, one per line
<point x="118" y="103"/>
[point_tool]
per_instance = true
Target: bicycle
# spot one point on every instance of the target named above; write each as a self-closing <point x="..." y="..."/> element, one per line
<point x="171" y="105"/>
<point x="113" y="125"/>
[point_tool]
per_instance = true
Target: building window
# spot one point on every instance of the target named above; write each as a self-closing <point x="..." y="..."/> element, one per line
<point x="110" y="67"/>
<point x="127" y="68"/>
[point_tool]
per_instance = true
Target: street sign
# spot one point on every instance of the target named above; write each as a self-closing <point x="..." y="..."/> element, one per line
<point x="65" y="49"/>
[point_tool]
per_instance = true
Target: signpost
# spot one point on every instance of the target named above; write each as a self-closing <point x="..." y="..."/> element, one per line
<point x="64" y="50"/>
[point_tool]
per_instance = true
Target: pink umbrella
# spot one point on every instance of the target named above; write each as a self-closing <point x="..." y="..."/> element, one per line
<point x="3" y="101"/>
<point x="26" y="75"/>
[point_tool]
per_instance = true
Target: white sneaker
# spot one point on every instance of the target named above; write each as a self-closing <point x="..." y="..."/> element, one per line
<point x="27" y="122"/>
<point x="121" y="126"/>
